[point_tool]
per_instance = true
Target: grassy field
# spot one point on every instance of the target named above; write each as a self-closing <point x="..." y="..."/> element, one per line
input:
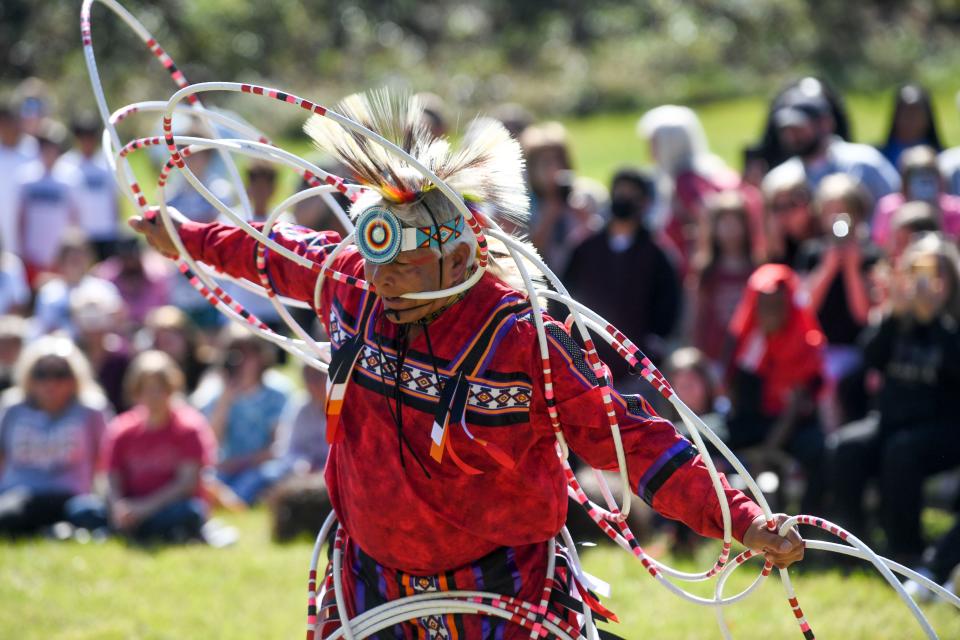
<point x="107" y="591"/>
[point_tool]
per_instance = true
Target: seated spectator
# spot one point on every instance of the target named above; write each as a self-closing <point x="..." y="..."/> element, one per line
<point x="912" y="124"/>
<point x="154" y="456"/>
<point x="836" y="269"/>
<point x="14" y="289"/>
<point x="75" y="257"/>
<point x="46" y="203"/>
<point x="721" y="271"/>
<point x="556" y="225"/>
<point x="96" y="192"/>
<point x="50" y="430"/>
<point x="915" y="430"/>
<point x="805" y="126"/>
<point x="243" y="402"/>
<point x="921" y="182"/>
<point x="168" y="329"/>
<point x="13" y="337"/>
<point x="301" y="442"/>
<point x="645" y="309"/>
<point x="141" y="275"/>
<point x="95" y="320"/>
<point x="911" y="219"/>
<point x="789" y="218"/>
<point x="688" y="175"/>
<point x="693" y="377"/>
<point x="774" y="376"/>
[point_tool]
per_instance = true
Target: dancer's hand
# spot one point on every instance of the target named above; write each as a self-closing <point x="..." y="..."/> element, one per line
<point x="782" y="551"/>
<point x="156" y="234"/>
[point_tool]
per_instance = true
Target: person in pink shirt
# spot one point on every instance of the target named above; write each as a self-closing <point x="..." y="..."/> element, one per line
<point x="921" y="182"/>
<point x="153" y="456"/>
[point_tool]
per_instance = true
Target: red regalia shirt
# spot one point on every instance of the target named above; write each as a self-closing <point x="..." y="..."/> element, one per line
<point x="419" y="524"/>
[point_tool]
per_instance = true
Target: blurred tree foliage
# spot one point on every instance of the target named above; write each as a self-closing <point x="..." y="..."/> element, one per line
<point x="556" y="56"/>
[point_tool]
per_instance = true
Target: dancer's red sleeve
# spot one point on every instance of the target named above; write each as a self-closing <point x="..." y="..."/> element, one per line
<point x="664" y="467"/>
<point x="232" y="250"/>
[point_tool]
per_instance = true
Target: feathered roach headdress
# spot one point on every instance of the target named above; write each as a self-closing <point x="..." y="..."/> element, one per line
<point x="487" y="169"/>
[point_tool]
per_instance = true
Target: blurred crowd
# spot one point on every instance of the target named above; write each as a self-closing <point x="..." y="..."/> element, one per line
<point x="805" y="304"/>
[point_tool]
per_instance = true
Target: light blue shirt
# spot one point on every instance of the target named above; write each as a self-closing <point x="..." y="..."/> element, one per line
<point x="861" y="162"/>
<point x="253" y="416"/>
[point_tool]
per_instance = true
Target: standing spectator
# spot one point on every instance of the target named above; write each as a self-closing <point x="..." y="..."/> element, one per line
<point x="774" y="377"/>
<point x="921" y="182"/>
<point x="915" y="431"/>
<point x="769" y="152"/>
<point x="721" y="271"/>
<point x="96" y="194"/>
<point x="688" y="175"/>
<point x="141" y="275"/>
<point x="693" y="377"/>
<point x="46" y="202"/>
<point x="301" y="443"/>
<point x="646" y="309"/>
<point x="789" y="214"/>
<point x="154" y="456"/>
<point x="912" y="124"/>
<point x="836" y="268"/>
<point x="16" y="150"/>
<point x="75" y="257"/>
<point x="50" y="430"/>
<point x="243" y="402"/>
<point x="805" y="127"/>
<point x="556" y="225"/>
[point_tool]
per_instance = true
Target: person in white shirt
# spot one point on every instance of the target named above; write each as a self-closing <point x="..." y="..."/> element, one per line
<point x="96" y="196"/>
<point x="46" y="203"/>
<point x="16" y="150"/>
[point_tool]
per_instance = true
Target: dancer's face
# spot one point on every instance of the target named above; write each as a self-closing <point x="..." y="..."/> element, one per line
<point x="413" y="272"/>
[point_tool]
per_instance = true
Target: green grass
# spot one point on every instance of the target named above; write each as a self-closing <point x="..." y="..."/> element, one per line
<point x="256" y="589"/>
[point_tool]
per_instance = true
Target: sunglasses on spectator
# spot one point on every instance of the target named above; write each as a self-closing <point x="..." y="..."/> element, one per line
<point x="52" y="373"/>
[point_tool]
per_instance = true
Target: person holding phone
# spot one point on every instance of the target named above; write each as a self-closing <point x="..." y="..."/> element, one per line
<point x="913" y="432"/>
<point x="921" y="182"/>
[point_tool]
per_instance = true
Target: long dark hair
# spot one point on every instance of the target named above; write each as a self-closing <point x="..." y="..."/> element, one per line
<point x="911" y="94"/>
<point x="721" y="204"/>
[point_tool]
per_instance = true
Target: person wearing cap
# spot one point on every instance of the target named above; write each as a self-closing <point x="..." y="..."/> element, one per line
<point x="805" y="127"/>
<point x="96" y="194"/>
